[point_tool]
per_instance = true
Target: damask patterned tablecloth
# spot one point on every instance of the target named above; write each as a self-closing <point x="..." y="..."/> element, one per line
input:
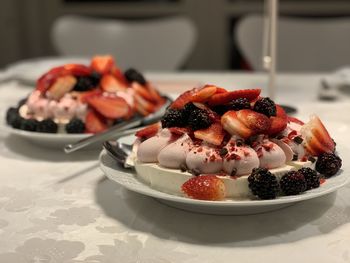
<point x="61" y="208"/>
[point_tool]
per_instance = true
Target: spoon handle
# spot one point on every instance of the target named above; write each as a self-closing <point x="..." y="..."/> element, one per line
<point x="108" y="134"/>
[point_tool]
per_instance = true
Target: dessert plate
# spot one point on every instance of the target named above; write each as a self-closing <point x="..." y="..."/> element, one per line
<point x="128" y="179"/>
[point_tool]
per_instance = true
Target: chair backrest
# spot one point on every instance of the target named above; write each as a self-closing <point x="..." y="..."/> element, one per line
<point x="303" y="44"/>
<point x="157" y="44"/>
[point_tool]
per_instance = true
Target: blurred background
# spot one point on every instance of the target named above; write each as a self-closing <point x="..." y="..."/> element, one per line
<point x="26" y="28"/>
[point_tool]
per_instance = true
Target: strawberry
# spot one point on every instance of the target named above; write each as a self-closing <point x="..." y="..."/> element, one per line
<point x="155" y="94"/>
<point x="278" y="122"/>
<point x="203" y="94"/>
<point x="148" y="131"/>
<point x="77" y="70"/>
<point x="109" y="107"/>
<point x="220" y="90"/>
<point x="61" y="86"/>
<point x="255" y="121"/>
<point x="226" y="97"/>
<point x="295" y="120"/>
<point x="94" y="123"/>
<point x="84" y="96"/>
<point x="145" y="105"/>
<point x="116" y="72"/>
<point x="316" y="136"/>
<point x="111" y="84"/>
<point x="214" y="134"/>
<point x="234" y="126"/>
<point x="205" y="187"/>
<point x="143" y="92"/>
<point x="245" y="123"/>
<point x="183" y="99"/>
<point x="102" y="64"/>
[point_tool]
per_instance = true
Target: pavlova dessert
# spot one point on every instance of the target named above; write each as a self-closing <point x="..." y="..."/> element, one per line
<point x="214" y="144"/>
<point x="75" y="98"/>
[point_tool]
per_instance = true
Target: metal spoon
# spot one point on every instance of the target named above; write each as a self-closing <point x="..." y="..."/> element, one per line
<point x="118" y="151"/>
<point x="116" y="130"/>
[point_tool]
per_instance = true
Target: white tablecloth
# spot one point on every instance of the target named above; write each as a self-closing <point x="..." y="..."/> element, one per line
<point x="61" y="208"/>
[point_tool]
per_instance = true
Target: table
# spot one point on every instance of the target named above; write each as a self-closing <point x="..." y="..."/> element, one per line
<point x="61" y="208"/>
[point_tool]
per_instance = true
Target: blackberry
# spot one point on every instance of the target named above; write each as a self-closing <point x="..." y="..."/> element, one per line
<point x="84" y="84"/>
<point x="311" y="176"/>
<point x="95" y="78"/>
<point x="75" y="126"/>
<point x="199" y="119"/>
<point x="220" y="109"/>
<point x="173" y="118"/>
<point x="239" y="104"/>
<point x="265" y="106"/>
<point x="29" y="125"/>
<point x="17" y="122"/>
<point x="133" y="75"/>
<point x="263" y="184"/>
<point x="47" y="125"/>
<point x="293" y="183"/>
<point x="11" y="115"/>
<point x="188" y="109"/>
<point x="328" y="164"/>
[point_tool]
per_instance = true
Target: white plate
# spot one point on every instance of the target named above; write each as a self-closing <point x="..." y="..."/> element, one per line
<point x="128" y="179"/>
<point x="28" y="71"/>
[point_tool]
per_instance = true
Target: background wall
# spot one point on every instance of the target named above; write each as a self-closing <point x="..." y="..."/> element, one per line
<point x="25" y="24"/>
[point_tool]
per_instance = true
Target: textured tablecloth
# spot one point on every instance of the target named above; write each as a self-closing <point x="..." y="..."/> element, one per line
<point x="61" y="208"/>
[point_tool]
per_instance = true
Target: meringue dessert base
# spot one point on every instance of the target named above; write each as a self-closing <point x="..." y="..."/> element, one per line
<point x="170" y="181"/>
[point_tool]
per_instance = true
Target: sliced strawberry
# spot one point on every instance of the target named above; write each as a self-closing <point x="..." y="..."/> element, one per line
<point x="109" y="107"/>
<point x="234" y="126"/>
<point x="278" y="122"/>
<point x="116" y="72"/>
<point x="316" y="136"/>
<point x="148" y="131"/>
<point x="214" y="134"/>
<point x="205" y="187"/>
<point x="110" y="83"/>
<point x="77" y="69"/>
<point x="144" y="104"/>
<point x="203" y="94"/>
<point x="280" y="113"/>
<point x="295" y="120"/>
<point x="183" y="99"/>
<point x="94" y="123"/>
<point x="61" y="86"/>
<point x="84" y="96"/>
<point x="220" y="90"/>
<point x="143" y="92"/>
<point x="277" y="125"/>
<point x="255" y="121"/>
<point x="102" y="64"/>
<point x="155" y="94"/>
<point x="224" y="98"/>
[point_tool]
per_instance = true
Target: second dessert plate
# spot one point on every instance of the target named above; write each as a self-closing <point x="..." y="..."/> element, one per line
<point x="129" y="180"/>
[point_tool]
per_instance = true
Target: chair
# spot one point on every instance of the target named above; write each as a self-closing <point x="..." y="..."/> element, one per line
<point x="158" y="44"/>
<point x="303" y="44"/>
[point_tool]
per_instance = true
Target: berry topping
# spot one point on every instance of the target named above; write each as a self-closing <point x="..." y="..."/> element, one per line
<point x="75" y="126"/>
<point x="199" y="119"/>
<point x="183" y="99"/>
<point x="265" y="106"/>
<point x="226" y="97"/>
<point x="205" y="187"/>
<point x="311" y="177"/>
<point x="61" y="86"/>
<point x="173" y="118"/>
<point x="84" y="84"/>
<point x="328" y="164"/>
<point x="133" y="75"/>
<point x="109" y="107"/>
<point x="278" y="123"/>
<point x="295" y="120"/>
<point x="94" y="123"/>
<point x="316" y="136"/>
<point x="203" y="94"/>
<point x="148" y="131"/>
<point x="239" y="104"/>
<point x="11" y="115"/>
<point x="47" y="125"/>
<point x="102" y="64"/>
<point x="263" y="183"/>
<point x="293" y="183"/>
<point x="95" y="78"/>
<point x="111" y="84"/>
<point x="29" y="125"/>
<point x="214" y="134"/>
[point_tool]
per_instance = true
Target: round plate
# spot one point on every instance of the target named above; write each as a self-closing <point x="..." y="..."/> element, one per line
<point x="128" y="179"/>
